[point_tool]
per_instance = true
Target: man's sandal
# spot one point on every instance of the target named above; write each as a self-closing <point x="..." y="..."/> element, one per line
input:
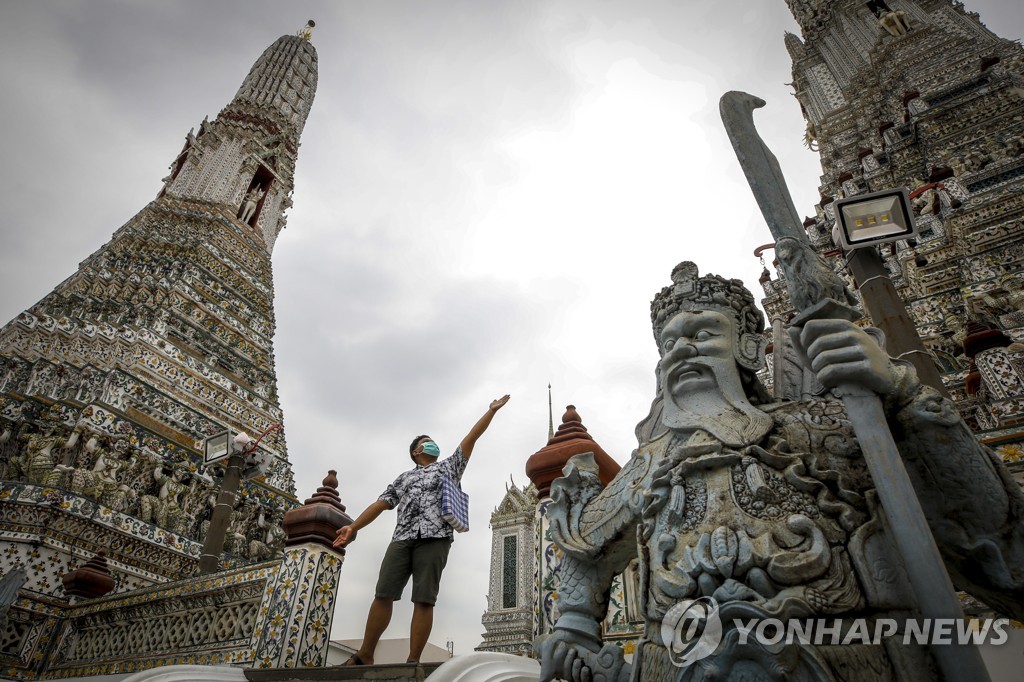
<point x="354" y="660"/>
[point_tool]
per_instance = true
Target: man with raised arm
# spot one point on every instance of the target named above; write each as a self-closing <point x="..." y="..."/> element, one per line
<point x="420" y="544"/>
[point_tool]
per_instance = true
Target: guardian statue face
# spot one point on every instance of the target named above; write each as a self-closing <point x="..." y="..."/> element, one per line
<point x="708" y="331"/>
<point x="698" y="354"/>
<point x="700" y="380"/>
<point x="710" y="295"/>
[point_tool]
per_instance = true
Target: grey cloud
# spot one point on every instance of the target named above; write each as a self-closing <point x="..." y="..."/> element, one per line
<point x="421" y="343"/>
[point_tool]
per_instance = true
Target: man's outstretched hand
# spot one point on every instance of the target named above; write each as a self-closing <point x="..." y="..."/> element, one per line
<point x="481" y="425"/>
<point x="348" y="533"/>
<point x="345" y="536"/>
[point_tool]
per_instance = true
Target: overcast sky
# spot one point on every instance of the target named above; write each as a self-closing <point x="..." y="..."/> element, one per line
<point x="488" y="195"/>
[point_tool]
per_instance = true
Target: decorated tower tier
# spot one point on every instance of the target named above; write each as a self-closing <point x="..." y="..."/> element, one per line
<point x="921" y="94"/>
<point x="163" y="337"/>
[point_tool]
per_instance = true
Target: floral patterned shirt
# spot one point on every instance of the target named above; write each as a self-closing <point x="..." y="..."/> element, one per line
<point x="417" y="495"/>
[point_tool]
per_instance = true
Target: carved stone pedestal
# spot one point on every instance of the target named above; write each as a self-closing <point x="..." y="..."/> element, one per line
<point x="293" y="628"/>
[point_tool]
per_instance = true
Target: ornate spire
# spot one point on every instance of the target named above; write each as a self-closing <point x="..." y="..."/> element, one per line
<point x="244" y="160"/>
<point x="185" y="291"/>
<point x="284" y="80"/>
<point x="551" y="416"/>
<point x="90" y="580"/>
<point x="572" y="439"/>
<point x="320" y="518"/>
<point x="794" y="46"/>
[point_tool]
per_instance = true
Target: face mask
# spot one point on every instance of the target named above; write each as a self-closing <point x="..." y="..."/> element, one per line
<point x="430" y="448"/>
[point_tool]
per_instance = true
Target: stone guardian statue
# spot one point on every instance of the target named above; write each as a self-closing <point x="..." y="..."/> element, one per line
<point x="768" y="509"/>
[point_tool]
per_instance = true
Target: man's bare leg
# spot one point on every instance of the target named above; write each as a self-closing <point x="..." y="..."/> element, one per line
<point x="419" y="632"/>
<point x="377" y="622"/>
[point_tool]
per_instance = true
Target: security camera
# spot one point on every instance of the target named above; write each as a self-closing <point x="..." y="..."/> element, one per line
<point x="256" y="464"/>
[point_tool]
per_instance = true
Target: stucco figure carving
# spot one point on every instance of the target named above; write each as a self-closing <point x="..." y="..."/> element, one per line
<point x="1001" y="306"/>
<point x="895" y="22"/>
<point x="268" y="533"/>
<point x="101" y="481"/>
<point x="811" y="137"/>
<point x="165" y="508"/>
<point x="768" y="507"/>
<point x="249" y="203"/>
<point x="976" y="160"/>
<point x="927" y="203"/>
<point x="40" y="458"/>
<point x="1014" y="147"/>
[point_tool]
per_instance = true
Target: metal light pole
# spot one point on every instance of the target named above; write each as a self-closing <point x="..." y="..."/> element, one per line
<point x="213" y="543"/>
<point x="240" y="449"/>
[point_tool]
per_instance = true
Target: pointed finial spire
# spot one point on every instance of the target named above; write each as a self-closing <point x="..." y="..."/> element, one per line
<point x="306" y="32"/>
<point x="319" y="519"/>
<point x="545" y="465"/>
<point x="551" y="417"/>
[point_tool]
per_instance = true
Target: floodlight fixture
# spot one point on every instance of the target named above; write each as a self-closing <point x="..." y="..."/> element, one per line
<point x="217" y="447"/>
<point x="875" y="218"/>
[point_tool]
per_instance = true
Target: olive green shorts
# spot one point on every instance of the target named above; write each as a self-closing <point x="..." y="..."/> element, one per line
<point x="422" y="559"/>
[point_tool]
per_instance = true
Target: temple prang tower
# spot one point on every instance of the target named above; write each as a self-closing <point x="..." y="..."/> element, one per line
<point x="163" y="337"/>
<point x="921" y="94"/>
